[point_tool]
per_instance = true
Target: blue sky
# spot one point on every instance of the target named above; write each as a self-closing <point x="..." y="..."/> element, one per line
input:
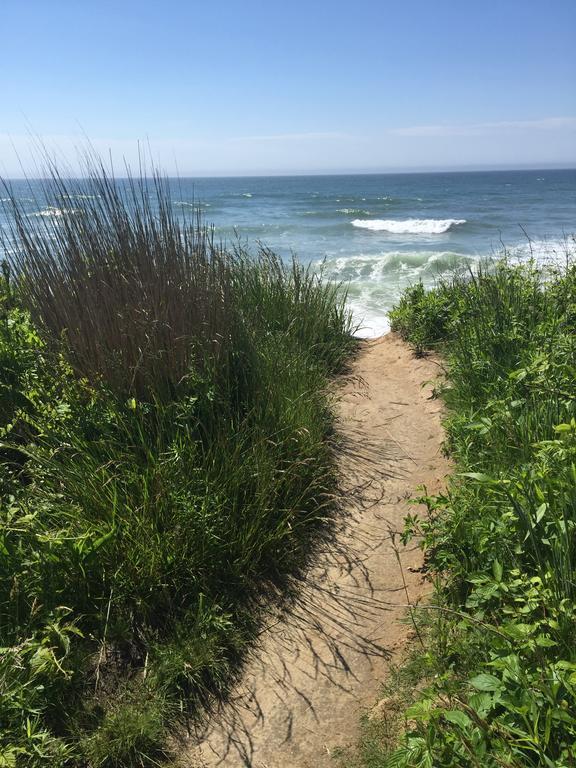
<point x="258" y="87"/>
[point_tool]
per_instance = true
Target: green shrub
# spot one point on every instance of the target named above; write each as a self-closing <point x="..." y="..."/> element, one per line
<point x="423" y="317"/>
<point x="501" y="543"/>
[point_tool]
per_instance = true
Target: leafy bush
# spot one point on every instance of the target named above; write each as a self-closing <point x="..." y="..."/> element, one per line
<point x="501" y="543"/>
<point x="423" y="317"/>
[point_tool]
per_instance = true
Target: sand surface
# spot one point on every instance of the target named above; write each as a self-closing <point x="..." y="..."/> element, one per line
<point x="321" y="663"/>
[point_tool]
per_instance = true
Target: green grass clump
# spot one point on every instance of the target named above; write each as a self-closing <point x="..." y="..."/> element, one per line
<point x="423" y="317"/>
<point x="166" y="464"/>
<point x="500" y="688"/>
<point x="130" y="735"/>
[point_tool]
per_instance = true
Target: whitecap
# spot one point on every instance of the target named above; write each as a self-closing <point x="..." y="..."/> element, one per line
<point x="53" y="212"/>
<point x="188" y="204"/>
<point x="409" y="226"/>
<point x="80" y="197"/>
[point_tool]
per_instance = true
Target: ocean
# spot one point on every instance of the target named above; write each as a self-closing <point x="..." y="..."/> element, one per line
<point x="380" y="232"/>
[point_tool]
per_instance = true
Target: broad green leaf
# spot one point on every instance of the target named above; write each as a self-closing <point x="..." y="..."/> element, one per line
<point x="497" y="570"/>
<point x="481" y="703"/>
<point x="458" y="718"/>
<point x="541" y="511"/>
<point x="486" y="682"/>
<point x="421" y="710"/>
<point x="480" y="477"/>
<point x="545" y="642"/>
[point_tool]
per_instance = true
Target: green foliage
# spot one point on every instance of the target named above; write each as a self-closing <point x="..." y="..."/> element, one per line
<point x="131" y="734"/>
<point x="502" y="541"/>
<point x="145" y="516"/>
<point x="423" y="317"/>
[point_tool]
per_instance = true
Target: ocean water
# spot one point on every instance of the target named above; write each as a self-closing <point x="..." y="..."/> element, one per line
<point x="379" y="232"/>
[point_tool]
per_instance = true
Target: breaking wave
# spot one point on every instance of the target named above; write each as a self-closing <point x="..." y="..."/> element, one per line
<point x="380" y="267"/>
<point x="409" y="226"/>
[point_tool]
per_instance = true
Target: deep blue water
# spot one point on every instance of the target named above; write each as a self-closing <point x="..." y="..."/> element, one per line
<point x="381" y="232"/>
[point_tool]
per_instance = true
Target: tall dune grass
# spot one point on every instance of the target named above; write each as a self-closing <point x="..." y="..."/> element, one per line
<point x="140" y="297"/>
<point x="165" y="464"/>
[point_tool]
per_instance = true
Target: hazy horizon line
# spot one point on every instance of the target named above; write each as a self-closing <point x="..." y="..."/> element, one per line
<point x="391" y="171"/>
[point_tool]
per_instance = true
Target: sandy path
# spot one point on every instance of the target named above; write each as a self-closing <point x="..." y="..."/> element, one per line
<point x="319" y="665"/>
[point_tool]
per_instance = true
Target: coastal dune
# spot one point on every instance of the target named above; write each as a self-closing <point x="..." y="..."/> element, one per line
<point x="320" y="664"/>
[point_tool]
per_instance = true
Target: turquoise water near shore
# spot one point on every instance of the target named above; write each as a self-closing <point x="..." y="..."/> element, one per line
<point x="378" y="232"/>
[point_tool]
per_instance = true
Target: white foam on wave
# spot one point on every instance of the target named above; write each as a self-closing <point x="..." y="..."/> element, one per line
<point x="81" y="197"/>
<point x="369" y="324"/>
<point x="382" y="267"/>
<point x="374" y="282"/>
<point x="554" y="252"/>
<point x="408" y="226"/>
<point x="52" y="212"/>
<point x="188" y="204"/>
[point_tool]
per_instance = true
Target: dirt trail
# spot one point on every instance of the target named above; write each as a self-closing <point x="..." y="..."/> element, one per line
<point x="318" y="666"/>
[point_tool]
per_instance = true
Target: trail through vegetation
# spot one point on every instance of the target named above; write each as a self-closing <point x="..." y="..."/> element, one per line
<point x="321" y="662"/>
